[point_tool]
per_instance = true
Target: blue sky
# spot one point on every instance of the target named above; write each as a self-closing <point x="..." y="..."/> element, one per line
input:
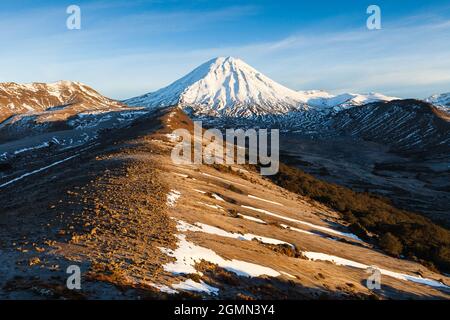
<point x="126" y="48"/>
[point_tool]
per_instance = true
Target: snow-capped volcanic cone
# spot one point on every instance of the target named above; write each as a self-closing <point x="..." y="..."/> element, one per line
<point x="225" y="86"/>
<point x="228" y="86"/>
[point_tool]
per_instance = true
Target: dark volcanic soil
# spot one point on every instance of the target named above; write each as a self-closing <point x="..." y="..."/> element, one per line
<point x="417" y="185"/>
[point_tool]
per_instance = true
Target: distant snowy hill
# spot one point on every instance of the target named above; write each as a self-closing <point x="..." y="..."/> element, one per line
<point x="36" y="108"/>
<point x="442" y="101"/>
<point x="318" y="98"/>
<point x="228" y="86"/>
<point x="38" y="97"/>
<point x="405" y="125"/>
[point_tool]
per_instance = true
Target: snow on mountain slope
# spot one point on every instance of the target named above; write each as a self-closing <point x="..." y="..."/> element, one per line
<point x="29" y="109"/>
<point x="404" y="125"/>
<point x="227" y="86"/>
<point x="442" y="101"/>
<point x="342" y="101"/>
<point x="37" y="97"/>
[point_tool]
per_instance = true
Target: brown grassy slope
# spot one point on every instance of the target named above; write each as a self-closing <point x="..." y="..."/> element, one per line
<point x="398" y="231"/>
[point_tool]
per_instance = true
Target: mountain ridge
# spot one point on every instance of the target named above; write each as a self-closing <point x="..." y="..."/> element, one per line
<point x="224" y="86"/>
<point x="35" y="108"/>
<point x="146" y="227"/>
<point x="37" y="97"/>
<point x="227" y="86"/>
<point x="441" y="100"/>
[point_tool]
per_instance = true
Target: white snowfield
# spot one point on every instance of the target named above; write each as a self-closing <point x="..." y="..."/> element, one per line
<point x="172" y="197"/>
<point x="297" y="229"/>
<point x="349" y="263"/>
<point x="322" y="99"/>
<point x="311" y="225"/>
<point x="268" y="201"/>
<point x="188" y="254"/>
<point x="163" y="288"/>
<point x="229" y="86"/>
<point x="244" y="216"/>
<point x="201" y="227"/>
<point x="288" y="275"/>
<point x="217" y="197"/>
<point x="214" y="206"/>
<point x="37" y="171"/>
<point x="225" y="85"/>
<point x="442" y="101"/>
<point x="191" y="285"/>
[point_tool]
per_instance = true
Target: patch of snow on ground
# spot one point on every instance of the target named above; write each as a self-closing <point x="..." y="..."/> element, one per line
<point x="28" y="107"/>
<point x="172" y="137"/>
<point x="297" y="230"/>
<point x="214" y="206"/>
<point x="191" y="285"/>
<point x="349" y="263"/>
<point x="344" y="234"/>
<point x="188" y="254"/>
<point x="217" y="197"/>
<point x="172" y="197"/>
<point x="288" y="275"/>
<point x="253" y="197"/>
<point x="251" y="218"/>
<point x="40" y="146"/>
<point x="36" y="171"/>
<point x="314" y="226"/>
<point x="201" y="227"/>
<point x="199" y="191"/>
<point x="164" y="288"/>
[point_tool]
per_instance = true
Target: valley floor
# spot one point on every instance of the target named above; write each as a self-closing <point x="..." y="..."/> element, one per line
<point x="417" y="185"/>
